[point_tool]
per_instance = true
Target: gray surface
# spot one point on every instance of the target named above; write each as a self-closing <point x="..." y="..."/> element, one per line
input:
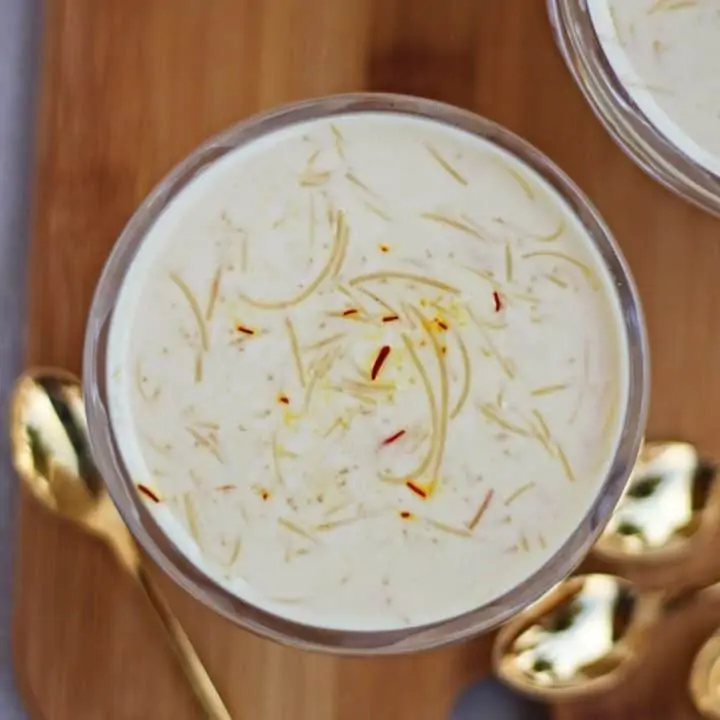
<point x="488" y="700"/>
<point x="19" y="33"/>
<point x="18" y="38"/>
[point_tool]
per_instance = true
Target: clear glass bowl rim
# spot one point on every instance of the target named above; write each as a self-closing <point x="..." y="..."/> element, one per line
<point x="158" y="546"/>
<point x="582" y="51"/>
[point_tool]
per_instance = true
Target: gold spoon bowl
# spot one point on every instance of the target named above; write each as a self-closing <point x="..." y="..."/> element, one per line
<point x="705" y="678"/>
<point x="580" y="639"/>
<point x="672" y="501"/>
<point x="588" y="635"/>
<point x="51" y="454"/>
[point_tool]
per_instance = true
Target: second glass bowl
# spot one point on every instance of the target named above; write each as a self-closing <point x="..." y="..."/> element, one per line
<point x="621" y="115"/>
<point x="158" y="545"/>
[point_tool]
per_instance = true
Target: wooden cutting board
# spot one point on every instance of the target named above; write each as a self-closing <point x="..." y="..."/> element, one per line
<point x="131" y="86"/>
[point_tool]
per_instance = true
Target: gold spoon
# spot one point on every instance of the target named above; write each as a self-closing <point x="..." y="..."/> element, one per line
<point x="705" y="678"/>
<point x="50" y="451"/>
<point x="670" y="503"/>
<point x="582" y="638"/>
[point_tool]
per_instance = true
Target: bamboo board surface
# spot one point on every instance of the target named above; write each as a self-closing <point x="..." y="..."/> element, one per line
<point x="131" y="86"/>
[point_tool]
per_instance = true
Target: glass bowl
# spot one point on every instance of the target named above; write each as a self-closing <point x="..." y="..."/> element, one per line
<point x="159" y="547"/>
<point x="630" y="127"/>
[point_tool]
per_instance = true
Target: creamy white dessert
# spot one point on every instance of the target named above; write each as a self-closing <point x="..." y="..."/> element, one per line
<point x="368" y="372"/>
<point x="665" y="53"/>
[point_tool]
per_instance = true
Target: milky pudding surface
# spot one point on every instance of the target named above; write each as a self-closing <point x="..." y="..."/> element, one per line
<point x="368" y="372"/>
<point x="666" y="53"/>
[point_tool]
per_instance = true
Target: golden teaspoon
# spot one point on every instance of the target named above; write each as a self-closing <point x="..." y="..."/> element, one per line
<point x="50" y="451"/>
<point x="671" y="501"/>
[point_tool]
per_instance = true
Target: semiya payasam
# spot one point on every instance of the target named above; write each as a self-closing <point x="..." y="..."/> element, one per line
<point x="665" y="54"/>
<point x="368" y="372"/>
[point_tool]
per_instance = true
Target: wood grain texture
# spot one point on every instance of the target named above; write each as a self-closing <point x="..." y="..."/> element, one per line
<point x="129" y="88"/>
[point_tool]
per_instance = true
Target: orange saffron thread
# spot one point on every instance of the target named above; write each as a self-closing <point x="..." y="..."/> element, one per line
<point x="393" y="437"/>
<point x="265" y="495"/>
<point x="497" y="301"/>
<point x="390" y="318"/>
<point x="441" y="324"/>
<point x="243" y="329"/>
<point x="416" y="489"/>
<point x="349" y="311"/>
<point x="284" y="399"/>
<point x="379" y="361"/>
<point x="148" y="493"/>
<point x="405" y="515"/>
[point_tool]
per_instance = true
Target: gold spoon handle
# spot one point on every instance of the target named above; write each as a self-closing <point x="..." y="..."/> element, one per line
<point x="195" y="672"/>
